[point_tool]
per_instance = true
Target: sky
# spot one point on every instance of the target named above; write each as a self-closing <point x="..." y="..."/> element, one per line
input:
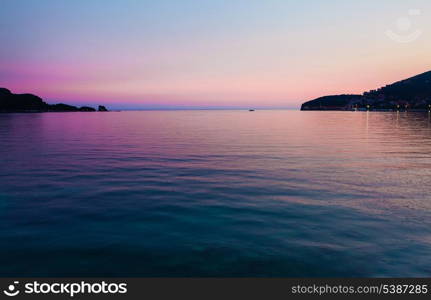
<point x="137" y="54"/>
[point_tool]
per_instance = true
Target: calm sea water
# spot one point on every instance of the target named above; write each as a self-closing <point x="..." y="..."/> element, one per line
<point x="215" y="193"/>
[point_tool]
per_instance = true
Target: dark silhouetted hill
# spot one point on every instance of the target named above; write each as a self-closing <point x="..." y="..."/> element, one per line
<point x="330" y="102"/>
<point x="413" y="93"/>
<point x="16" y="102"/>
<point x="10" y="102"/>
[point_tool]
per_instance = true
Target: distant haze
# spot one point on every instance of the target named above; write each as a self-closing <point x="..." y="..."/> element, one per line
<point x="208" y="54"/>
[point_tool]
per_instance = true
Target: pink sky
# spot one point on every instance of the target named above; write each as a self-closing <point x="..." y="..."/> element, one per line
<point x="262" y="55"/>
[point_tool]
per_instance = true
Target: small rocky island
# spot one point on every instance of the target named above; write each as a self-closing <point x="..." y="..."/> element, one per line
<point x="412" y="94"/>
<point x="10" y="102"/>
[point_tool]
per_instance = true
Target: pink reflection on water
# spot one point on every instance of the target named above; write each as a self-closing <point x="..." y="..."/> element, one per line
<point x="379" y="161"/>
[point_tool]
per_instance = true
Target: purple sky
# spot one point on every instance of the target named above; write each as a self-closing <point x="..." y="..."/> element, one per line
<point x="242" y="53"/>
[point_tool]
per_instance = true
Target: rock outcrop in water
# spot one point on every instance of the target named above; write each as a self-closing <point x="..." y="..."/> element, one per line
<point x="410" y="94"/>
<point x="10" y="102"/>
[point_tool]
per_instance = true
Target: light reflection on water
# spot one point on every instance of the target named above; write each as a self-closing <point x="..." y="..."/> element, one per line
<point x="215" y="193"/>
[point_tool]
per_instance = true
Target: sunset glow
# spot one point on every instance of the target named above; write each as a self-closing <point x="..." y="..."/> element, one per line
<point x="155" y="54"/>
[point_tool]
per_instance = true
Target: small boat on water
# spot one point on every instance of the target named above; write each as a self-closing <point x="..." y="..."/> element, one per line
<point x="251" y="110"/>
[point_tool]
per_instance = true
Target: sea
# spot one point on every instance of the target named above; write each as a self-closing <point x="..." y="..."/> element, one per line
<point x="215" y="193"/>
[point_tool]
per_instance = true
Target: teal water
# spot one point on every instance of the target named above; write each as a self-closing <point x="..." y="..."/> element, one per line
<point x="215" y="193"/>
